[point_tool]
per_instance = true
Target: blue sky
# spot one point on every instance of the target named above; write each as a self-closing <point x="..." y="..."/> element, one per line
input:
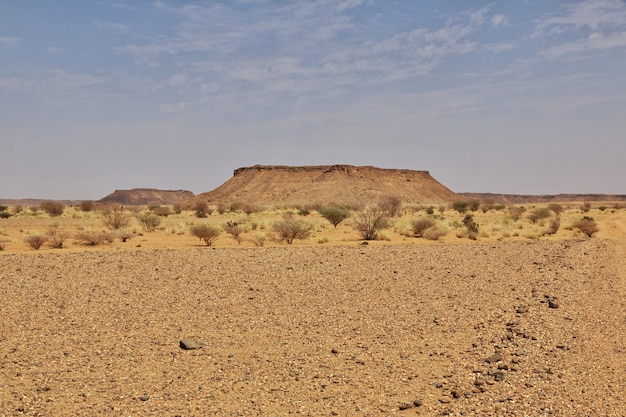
<point x="523" y="97"/>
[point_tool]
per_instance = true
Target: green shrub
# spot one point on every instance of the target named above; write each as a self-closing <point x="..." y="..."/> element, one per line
<point x="149" y="222"/>
<point x="471" y="226"/>
<point x="334" y="214"/>
<point x="460" y="206"/>
<point x="4" y="214"/>
<point x="289" y="229"/>
<point x="539" y="213"/>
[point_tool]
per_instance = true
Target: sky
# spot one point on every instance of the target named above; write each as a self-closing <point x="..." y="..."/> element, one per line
<point x="517" y="97"/>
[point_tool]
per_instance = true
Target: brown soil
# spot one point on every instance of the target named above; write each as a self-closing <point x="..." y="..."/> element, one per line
<point x="354" y="330"/>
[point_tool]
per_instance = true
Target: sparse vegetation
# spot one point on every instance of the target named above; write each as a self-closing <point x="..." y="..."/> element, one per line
<point x="289" y="229"/>
<point x="162" y="211"/>
<point x="334" y="214"/>
<point x="206" y="233"/>
<point x="36" y="241"/>
<point x="4" y="214"/>
<point x="370" y="221"/>
<point x="433" y="233"/>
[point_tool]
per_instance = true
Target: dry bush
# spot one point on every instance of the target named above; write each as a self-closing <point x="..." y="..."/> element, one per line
<point x="149" y="222"/>
<point x="201" y="209"/>
<point x="391" y="204"/>
<point x="585" y="206"/>
<point x="162" y="211"/>
<point x="4" y="214"/>
<point x="53" y="208"/>
<point x="334" y="214"/>
<point x="419" y="226"/>
<point x="516" y="212"/>
<point x="234" y="229"/>
<point x="370" y="221"/>
<point x="93" y="238"/>
<point x="487" y="204"/>
<point x="258" y="239"/>
<point x="554" y="226"/>
<point x="124" y="235"/>
<point x="289" y="229"/>
<point x="57" y="237"/>
<point x="473" y="204"/>
<point x="433" y="233"/>
<point x="205" y="232"/>
<point x="87" y="205"/>
<point x="587" y="225"/>
<point x="36" y="241"/>
<point x="115" y="217"/>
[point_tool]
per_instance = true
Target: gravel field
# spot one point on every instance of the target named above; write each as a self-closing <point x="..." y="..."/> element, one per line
<point x="531" y="328"/>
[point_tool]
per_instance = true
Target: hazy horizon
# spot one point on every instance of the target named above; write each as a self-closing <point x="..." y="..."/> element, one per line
<point x="497" y="97"/>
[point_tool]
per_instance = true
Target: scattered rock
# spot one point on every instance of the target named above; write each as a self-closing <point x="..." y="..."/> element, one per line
<point x="522" y="310"/>
<point x="457" y="393"/>
<point x="553" y="303"/>
<point x="496" y="357"/>
<point x="144" y="398"/>
<point x="189" y="344"/>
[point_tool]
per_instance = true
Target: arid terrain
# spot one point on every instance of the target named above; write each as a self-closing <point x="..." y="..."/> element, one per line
<point x="518" y="325"/>
<point x="523" y="316"/>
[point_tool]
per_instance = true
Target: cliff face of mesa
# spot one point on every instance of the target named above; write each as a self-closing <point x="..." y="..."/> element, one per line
<point x="280" y="186"/>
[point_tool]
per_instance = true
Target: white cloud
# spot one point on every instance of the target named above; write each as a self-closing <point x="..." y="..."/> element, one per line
<point x="53" y="49"/>
<point x="177" y="80"/>
<point x="173" y="108"/>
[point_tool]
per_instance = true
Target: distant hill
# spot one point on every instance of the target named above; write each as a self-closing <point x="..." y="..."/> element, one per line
<point x="279" y="185"/>
<point x="143" y="196"/>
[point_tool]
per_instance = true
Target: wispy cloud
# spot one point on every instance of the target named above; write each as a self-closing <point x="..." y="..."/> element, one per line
<point x="112" y="27"/>
<point x="498" y="20"/>
<point x="9" y="41"/>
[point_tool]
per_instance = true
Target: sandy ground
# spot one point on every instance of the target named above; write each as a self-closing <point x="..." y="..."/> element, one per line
<point x="529" y="328"/>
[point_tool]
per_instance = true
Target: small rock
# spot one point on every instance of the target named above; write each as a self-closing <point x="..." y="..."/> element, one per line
<point x="418" y="403"/>
<point x="457" y="393"/>
<point x="144" y="398"/>
<point x="552" y="303"/>
<point x="334" y="351"/>
<point x="498" y="376"/>
<point x="444" y="400"/>
<point x="405" y="406"/>
<point x="522" y="309"/>
<point x="189" y="344"/>
<point x="496" y="357"/>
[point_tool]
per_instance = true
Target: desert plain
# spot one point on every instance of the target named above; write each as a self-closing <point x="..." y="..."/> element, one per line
<point x="515" y="323"/>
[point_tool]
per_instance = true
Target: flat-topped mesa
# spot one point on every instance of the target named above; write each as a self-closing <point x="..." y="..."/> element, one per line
<point x="298" y="186"/>
<point x="350" y="169"/>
